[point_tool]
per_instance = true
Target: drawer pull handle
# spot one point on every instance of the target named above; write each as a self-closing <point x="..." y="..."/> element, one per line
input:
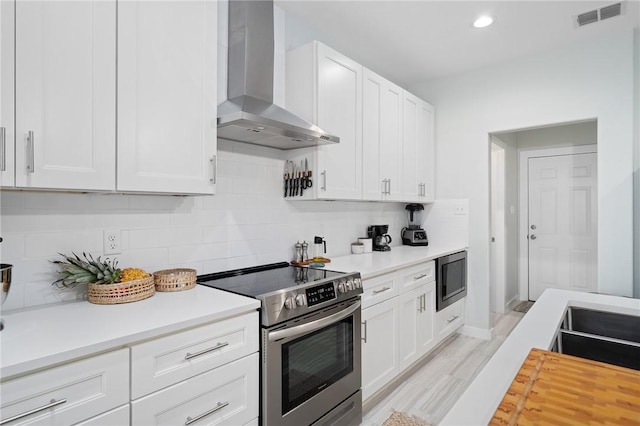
<point x="381" y="290"/>
<point x="51" y="404"/>
<point x="206" y="351"/>
<point x="452" y="319"/>
<point x="218" y="407"/>
<point x="419" y="277"/>
<point x="31" y="168"/>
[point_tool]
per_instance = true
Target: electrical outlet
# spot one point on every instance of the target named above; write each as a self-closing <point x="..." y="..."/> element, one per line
<point x="460" y="209"/>
<point x="112" y="242"/>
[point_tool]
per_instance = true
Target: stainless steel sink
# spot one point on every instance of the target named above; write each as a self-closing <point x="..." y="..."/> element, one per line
<point x="600" y="336"/>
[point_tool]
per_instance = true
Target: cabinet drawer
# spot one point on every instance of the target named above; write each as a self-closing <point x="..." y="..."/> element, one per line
<point x="227" y="395"/>
<point x="415" y="276"/>
<point x="449" y="319"/>
<point x="118" y="416"/>
<point x="83" y="389"/>
<point x="162" y="362"/>
<point x="379" y="288"/>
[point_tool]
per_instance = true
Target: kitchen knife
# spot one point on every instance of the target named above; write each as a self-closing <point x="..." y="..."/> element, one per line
<point x="286" y="178"/>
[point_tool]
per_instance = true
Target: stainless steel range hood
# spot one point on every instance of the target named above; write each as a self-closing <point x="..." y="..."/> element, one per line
<point x="249" y="115"/>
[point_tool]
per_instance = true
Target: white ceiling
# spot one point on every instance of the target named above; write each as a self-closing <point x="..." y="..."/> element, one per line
<point x="413" y="41"/>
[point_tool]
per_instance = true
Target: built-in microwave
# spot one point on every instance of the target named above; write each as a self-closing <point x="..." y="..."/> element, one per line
<point x="451" y="279"/>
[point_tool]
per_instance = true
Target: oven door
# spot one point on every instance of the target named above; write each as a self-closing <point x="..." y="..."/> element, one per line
<point x="311" y="365"/>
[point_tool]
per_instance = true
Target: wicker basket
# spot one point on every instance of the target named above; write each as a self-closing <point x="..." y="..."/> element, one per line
<point x="130" y="291"/>
<point x="175" y="279"/>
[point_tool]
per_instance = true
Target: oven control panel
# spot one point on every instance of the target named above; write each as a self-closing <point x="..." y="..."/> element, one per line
<point x="320" y="294"/>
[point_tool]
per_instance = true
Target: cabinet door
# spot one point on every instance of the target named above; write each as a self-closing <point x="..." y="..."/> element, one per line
<point x="167" y="96"/>
<point x="65" y="94"/>
<point x="7" y="56"/>
<point x="425" y="151"/>
<point x="339" y="111"/>
<point x="382" y="138"/>
<point x="426" y="319"/>
<point x="410" y="307"/>
<point x="379" y="346"/>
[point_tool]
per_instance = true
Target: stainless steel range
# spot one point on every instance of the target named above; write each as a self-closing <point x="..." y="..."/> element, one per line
<point x="310" y="349"/>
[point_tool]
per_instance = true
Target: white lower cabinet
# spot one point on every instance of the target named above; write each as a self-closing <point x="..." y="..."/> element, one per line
<point x="115" y="417"/>
<point x="400" y="324"/>
<point x="69" y="393"/>
<point x="227" y="396"/>
<point x="379" y="346"/>
<point x="416" y="336"/>
<point x="449" y="319"/>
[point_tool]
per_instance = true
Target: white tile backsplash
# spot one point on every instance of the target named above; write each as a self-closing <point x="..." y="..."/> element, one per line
<point x="247" y="222"/>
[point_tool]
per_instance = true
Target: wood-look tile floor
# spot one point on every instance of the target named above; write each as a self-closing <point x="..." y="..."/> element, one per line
<point x="434" y="388"/>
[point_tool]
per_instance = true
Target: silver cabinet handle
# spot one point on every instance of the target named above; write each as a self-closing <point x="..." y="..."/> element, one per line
<point x="324" y="180"/>
<point x="419" y="277"/>
<point x="206" y="351"/>
<point x="384" y="186"/>
<point x="3" y="149"/>
<point x="389" y="190"/>
<point x="452" y="319"/>
<point x="218" y="407"/>
<point x="424" y="301"/>
<point x="30" y="152"/>
<point x="51" y="404"/>
<point x="214" y="169"/>
<point x="381" y="290"/>
<point x="364" y="337"/>
<point x="420" y="304"/>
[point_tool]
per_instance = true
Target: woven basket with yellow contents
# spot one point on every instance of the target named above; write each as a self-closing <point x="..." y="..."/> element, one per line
<point x="106" y="283"/>
<point x="130" y="291"/>
<point x="178" y="279"/>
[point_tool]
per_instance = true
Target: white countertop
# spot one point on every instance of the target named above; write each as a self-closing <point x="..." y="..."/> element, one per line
<point x="380" y="262"/>
<point x="39" y="337"/>
<point x="537" y="329"/>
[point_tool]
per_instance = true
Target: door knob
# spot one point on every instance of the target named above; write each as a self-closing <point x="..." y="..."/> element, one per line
<point x="533" y="237"/>
<point x="533" y="227"/>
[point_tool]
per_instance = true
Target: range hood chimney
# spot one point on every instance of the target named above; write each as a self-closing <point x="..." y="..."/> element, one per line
<point x="249" y="115"/>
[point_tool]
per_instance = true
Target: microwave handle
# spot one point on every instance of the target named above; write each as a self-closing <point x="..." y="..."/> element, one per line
<point x="313" y="325"/>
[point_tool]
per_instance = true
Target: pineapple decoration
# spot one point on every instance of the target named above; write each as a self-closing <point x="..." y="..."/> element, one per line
<point x="107" y="283"/>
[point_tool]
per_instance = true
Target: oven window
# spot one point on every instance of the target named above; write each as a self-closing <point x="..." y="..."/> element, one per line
<point x="315" y="361"/>
<point x="453" y="278"/>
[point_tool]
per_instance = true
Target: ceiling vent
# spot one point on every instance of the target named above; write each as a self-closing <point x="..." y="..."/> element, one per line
<point x="599" y="14"/>
<point x="610" y="11"/>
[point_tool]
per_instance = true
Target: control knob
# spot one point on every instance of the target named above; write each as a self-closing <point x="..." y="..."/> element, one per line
<point x="301" y="300"/>
<point x="290" y="303"/>
<point x="357" y="283"/>
<point x="350" y="285"/>
<point x="342" y="288"/>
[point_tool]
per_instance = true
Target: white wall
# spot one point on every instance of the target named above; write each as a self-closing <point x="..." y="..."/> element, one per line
<point x="593" y="80"/>
<point x="558" y="136"/>
<point x="508" y="141"/>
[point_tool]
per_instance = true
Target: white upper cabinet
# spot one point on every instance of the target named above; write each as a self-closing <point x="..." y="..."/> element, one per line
<point x="325" y="88"/>
<point x="417" y="150"/>
<point x="382" y="138"/>
<point x="167" y="96"/>
<point x="65" y="102"/>
<point x="7" y="55"/>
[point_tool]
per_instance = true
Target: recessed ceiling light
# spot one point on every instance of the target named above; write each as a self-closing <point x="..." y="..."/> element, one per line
<point x="483" y="21"/>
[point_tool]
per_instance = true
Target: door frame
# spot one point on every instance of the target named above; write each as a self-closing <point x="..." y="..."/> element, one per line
<point x="523" y="195"/>
<point x="497" y="269"/>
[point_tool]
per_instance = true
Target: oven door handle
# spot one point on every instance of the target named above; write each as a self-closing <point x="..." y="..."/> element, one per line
<point x="313" y="325"/>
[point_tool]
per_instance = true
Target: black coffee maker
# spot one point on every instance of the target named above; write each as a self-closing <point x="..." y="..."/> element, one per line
<point x="379" y="236"/>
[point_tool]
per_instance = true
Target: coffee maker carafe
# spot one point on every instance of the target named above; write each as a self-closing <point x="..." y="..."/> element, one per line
<point x="381" y="240"/>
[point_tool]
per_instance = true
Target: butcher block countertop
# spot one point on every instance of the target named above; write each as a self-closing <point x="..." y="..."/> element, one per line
<point x="553" y="388"/>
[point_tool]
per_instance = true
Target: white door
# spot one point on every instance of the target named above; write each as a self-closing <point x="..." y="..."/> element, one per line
<point x="66" y="94"/>
<point x="339" y="111"/>
<point x="6" y="93"/>
<point x="563" y="218"/>
<point x="167" y="96"/>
